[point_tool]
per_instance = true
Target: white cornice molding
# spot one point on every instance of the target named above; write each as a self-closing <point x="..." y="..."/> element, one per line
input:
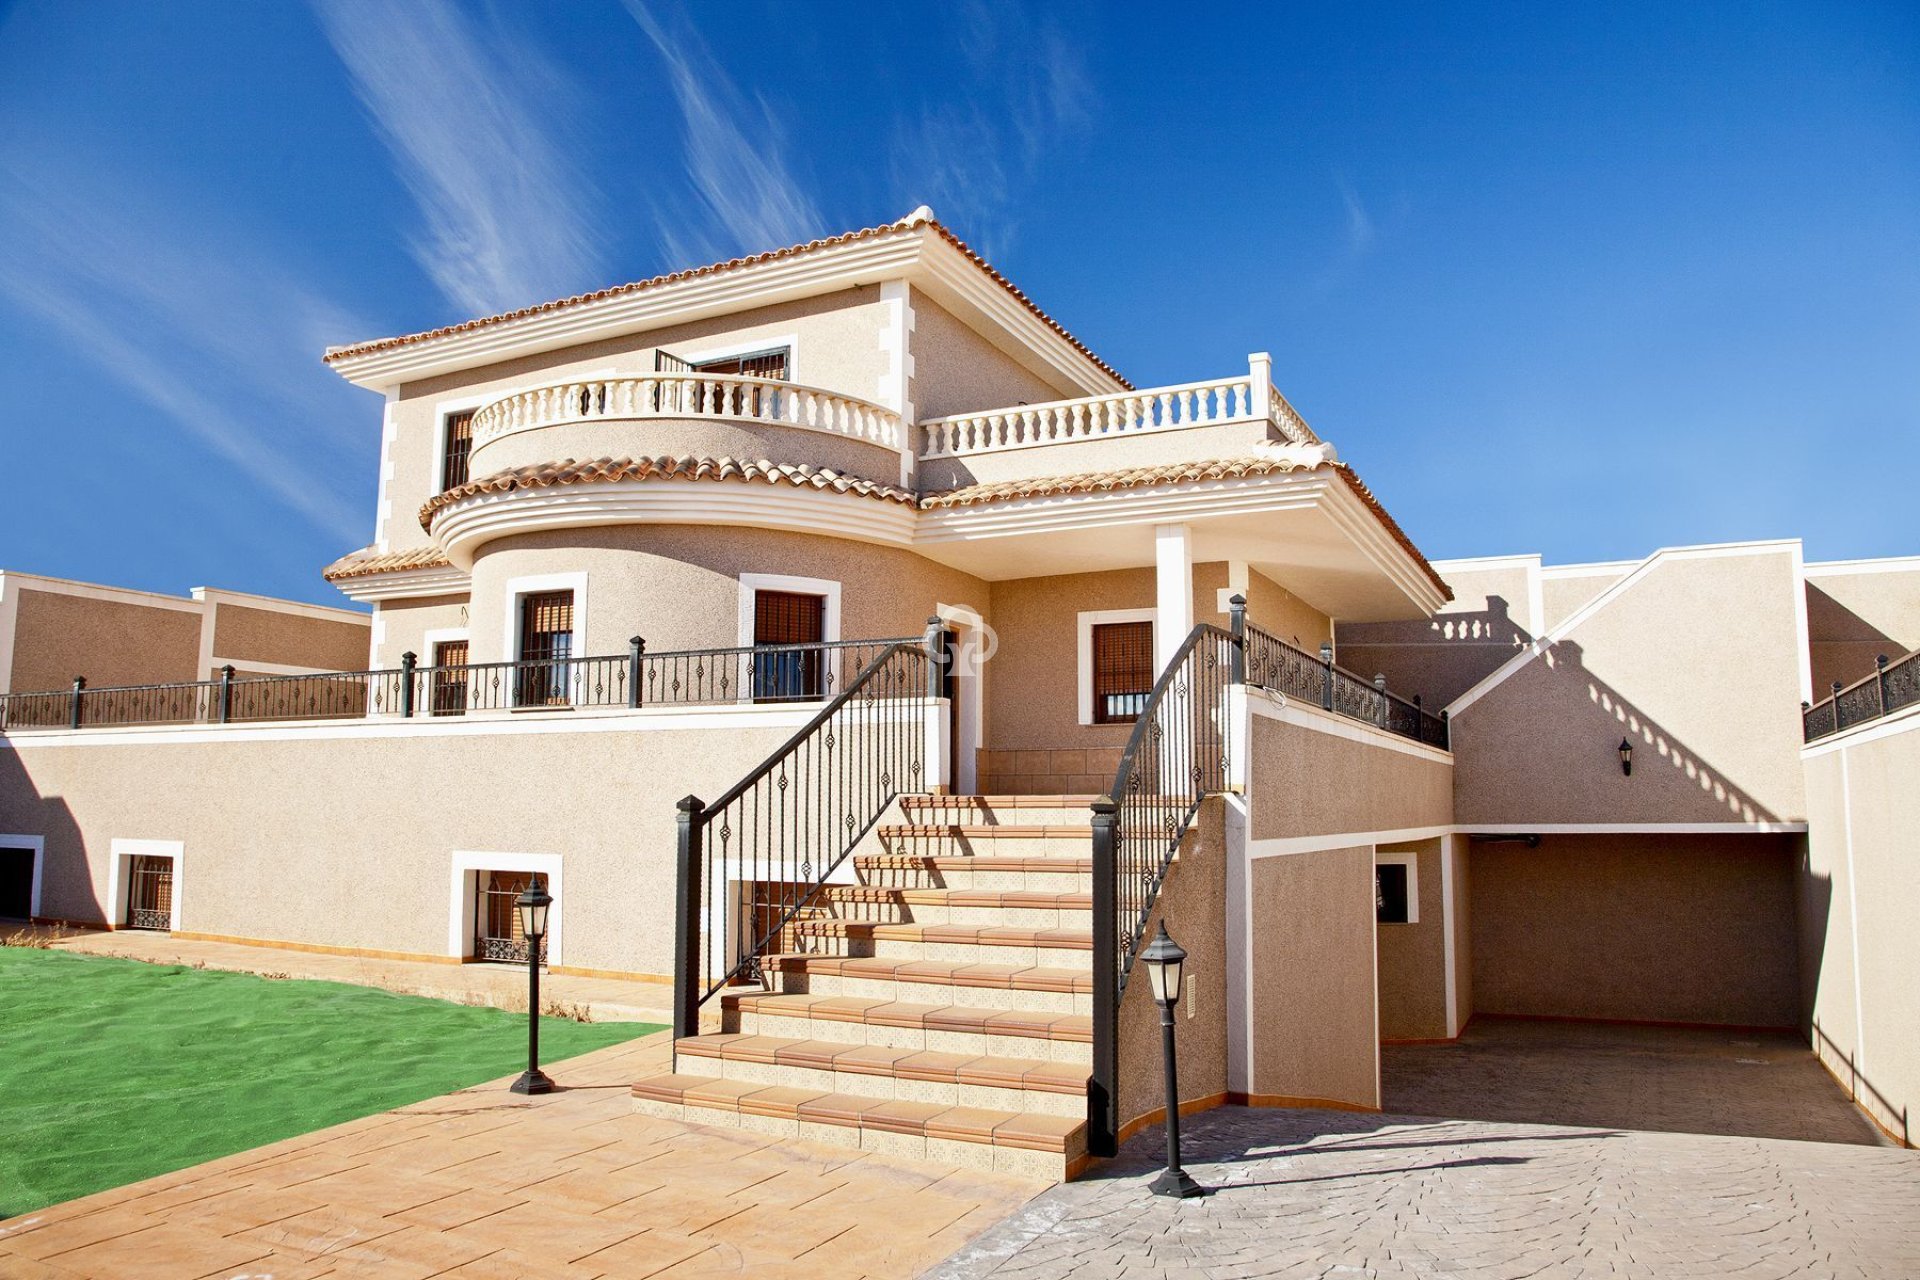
<point x="470" y="523"/>
<point x="407" y="584"/>
<point x="297" y="608"/>
<point x="915" y="254"/>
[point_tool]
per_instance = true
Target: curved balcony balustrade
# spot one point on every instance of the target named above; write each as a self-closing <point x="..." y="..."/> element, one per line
<point x="718" y="407"/>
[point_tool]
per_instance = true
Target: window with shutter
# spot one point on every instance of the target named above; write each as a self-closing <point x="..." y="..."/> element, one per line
<point x="1122" y="670"/>
<point x="459" y="447"/>
<point x="789" y="618"/>
<point x="546" y="647"/>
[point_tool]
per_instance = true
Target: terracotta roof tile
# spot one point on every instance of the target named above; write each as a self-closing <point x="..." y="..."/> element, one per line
<point x="371" y="560"/>
<point x="597" y="470"/>
<point x="904" y="226"/>
<point x="1178" y="473"/>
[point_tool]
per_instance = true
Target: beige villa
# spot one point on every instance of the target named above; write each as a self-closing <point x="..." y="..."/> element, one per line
<point x="847" y="645"/>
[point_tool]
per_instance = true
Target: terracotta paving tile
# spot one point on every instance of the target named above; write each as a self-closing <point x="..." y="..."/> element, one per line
<point x="644" y="1256"/>
<point x="900" y="1116"/>
<point x="965" y="1123"/>
<point x="68" y="1234"/>
<point x="244" y="1208"/>
<point x="18" y="1266"/>
<point x="413" y="1254"/>
<point x="818" y="1055"/>
<point x="164" y="1252"/>
<point x="322" y="1231"/>
<point x="511" y="1264"/>
<point x="458" y="1209"/>
<point x="931" y="1064"/>
<point x="1037" y="1132"/>
<point x="384" y="1191"/>
<point x="840" y="1109"/>
<point x="865" y="1059"/>
<point x="547" y="1231"/>
<point x="779" y="1101"/>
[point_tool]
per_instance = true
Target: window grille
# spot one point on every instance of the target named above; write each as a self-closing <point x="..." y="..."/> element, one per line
<point x="453" y="465"/>
<point x="496" y="924"/>
<point x="449" y="693"/>
<point x="1122" y="670"/>
<point x="782" y="618"/>
<point x="150" y="893"/>
<point x="546" y="645"/>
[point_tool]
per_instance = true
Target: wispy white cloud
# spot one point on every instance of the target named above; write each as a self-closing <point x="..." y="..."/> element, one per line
<point x="215" y="336"/>
<point x="472" y="117"/>
<point x="1359" y="223"/>
<point x="746" y="197"/>
<point x="1029" y="95"/>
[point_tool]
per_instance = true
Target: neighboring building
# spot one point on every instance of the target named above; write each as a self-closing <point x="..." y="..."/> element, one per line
<point x="53" y="630"/>
<point x="858" y="545"/>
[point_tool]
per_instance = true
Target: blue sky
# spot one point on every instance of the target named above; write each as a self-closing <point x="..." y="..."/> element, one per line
<point x="1576" y="279"/>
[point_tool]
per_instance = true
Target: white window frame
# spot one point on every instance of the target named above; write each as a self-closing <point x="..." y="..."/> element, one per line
<point x="751" y="584"/>
<point x="442" y="410"/>
<point x="467" y="863"/>
<point x="38" y="844"/>
<point x="1087" y="622"/>
<point x="430" y="640"/>
<point x="1411" y="861"/>
<point x="120" y="872"/>
<point x="534" y="584"/>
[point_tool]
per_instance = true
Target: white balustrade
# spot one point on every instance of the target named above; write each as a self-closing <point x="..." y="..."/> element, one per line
<point x="688" y="395"/>
<point x="1247" y="397"/>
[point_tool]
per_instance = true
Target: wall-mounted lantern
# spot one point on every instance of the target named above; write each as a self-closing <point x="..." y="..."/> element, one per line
<point x="1626" y="757"/>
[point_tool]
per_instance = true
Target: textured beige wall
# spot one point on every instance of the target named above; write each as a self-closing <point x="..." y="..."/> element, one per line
<point x="1193" y="903"/>
<point x="349" y="841"/>
<point x="1315" y="1028"/>
<point x="957" y="370"/>
<point x="58" y="636"/>
<point x="1852" y="618"/>
<point x="1033" y="680"/>
<point x="244" y="634"/>
<point x="1697" y="663"/>
<point x="1307" y="783"/>
<point x="1413" y="957"/>
<point x="1862" y="849"/>
<point x="1669" y="928"/>
<point x="678" y="585"/>
<point x="404" y="624"/>
<point x="684" y="438"/>
<point x="1280" y="613"/>
<point x="838" y="350"/>
<point x="1442" y="657"/>
<point x="1562" y="597"/>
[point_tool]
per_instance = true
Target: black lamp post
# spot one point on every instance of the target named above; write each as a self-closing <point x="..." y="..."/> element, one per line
<point x="1626" y="757"/>
<point x="1165" y="961"/>
<point x="532" y="907"/>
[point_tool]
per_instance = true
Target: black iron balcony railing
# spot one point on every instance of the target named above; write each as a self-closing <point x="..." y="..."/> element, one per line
<point x="1887" y="690"/>
<point x="787" y="825"/>
<point x="1274" y="664"/>
<point x="789" y="673"/>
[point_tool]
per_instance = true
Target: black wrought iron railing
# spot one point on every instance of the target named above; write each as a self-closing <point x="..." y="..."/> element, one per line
<point x="1890" y="688"/>
<point x="1274" y="664"/>
<point x="787" y="825"/>
<point x="789" y="673"/>
<point x="1175" y="758"/>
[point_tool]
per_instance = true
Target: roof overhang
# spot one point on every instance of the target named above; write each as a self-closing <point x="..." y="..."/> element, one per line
<point x="1307" y="530"/>
<point x="919" y="252"/>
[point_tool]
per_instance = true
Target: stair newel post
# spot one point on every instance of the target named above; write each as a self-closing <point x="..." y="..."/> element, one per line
<point x="636" y="654"/>
<point x="935" y="643"/>
<point x="1880" y="680"/>
<point x="1326" y="677"/>
<point x="409" y="663"/>
<point x="1237" y="615"/>
<point x="1446" y="729"/>
<point x="686" y="951"/>
<point x="73" y="713"/>
<point x="226" y="693"/>
<point x="1103" y="1084"/>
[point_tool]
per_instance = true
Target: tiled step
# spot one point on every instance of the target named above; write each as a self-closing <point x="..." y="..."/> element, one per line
<point x="965" y="1137"/>
<point x="1037" y="839"/>
<point x="998" y="810"/>
<point x="977" y="984"/>
<point x="912" y="1075"/>
<point x="900" y="1024"/>
<point x="991" y="870"/>
<point x="985" y="944"/>
<point x="1021" y="908"/>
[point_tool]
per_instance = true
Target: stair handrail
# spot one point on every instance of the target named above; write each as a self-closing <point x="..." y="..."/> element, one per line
<point x="1174" y="759"/>
<point x="813" y="799"/>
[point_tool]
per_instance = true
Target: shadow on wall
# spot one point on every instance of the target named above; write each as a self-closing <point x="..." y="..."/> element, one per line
<point x="1438" y="658"/>
<point x="1842" y="645"/>
<point x="1815" y="905"/>
<point x="67" y="891"/>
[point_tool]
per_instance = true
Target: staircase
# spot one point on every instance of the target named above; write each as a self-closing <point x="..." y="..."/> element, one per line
<point x="941" y="1007"/>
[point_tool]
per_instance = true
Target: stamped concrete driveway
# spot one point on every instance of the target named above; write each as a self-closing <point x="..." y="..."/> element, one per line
<point x="1329" y="1193"/>
<point x="1674" y="1079"/>
<point x="1567" y="1151"/>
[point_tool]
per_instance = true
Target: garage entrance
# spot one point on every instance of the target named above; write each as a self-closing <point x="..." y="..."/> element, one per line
<point x="16" y="883"/>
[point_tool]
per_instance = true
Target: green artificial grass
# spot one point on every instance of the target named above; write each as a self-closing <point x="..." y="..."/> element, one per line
<point x="113" y="1070"/>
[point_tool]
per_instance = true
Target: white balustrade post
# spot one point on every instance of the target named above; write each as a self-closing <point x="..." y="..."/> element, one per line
<point x="1260" y="375"/>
